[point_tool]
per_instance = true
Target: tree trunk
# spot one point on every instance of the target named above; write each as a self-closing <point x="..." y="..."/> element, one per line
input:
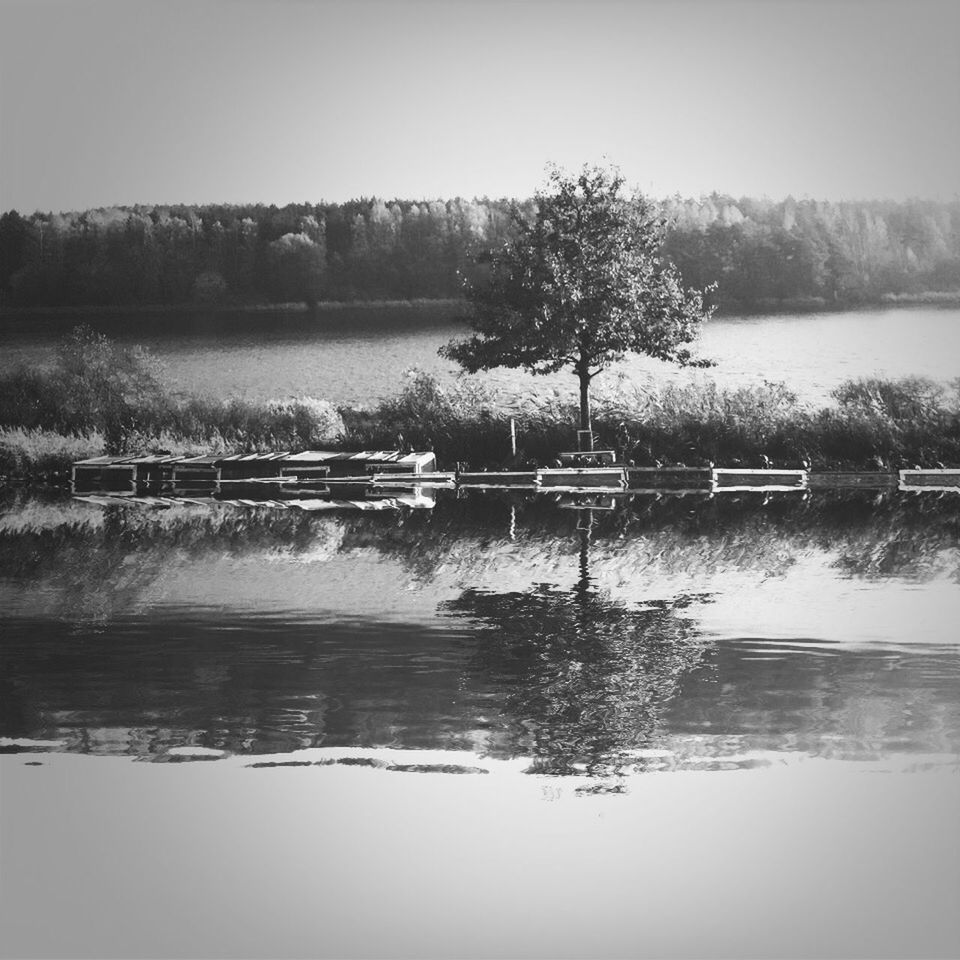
<point x="585" y="378"/>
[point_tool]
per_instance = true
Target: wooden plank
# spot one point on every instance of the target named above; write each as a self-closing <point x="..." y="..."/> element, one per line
<point x="840" y="479"/>
<point x="670" y="478"/>
<point x="582" y="477"/>
<point x="313" y="456"/>
<point x="665" y="492"/>
<point x="305" y="473"/>
<point x="206" y="459"/>
<point x="439" y="476"/>
<point x="94" y="461"/>
<point x="734" y="477"/>
<point x="571" y="458"/>
<point x="935" y="479"/>
<point x="509" y="478"/>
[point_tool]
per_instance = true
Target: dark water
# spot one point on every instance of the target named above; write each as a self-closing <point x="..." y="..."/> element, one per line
<point x="659" y="634"/>
<point x="360" y="355"/>
<point x="677" y="727"/>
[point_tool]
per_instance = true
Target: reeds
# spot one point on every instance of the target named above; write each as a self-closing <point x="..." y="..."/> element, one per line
<point x="874" y="424"/>
<point x="44" y="453"/>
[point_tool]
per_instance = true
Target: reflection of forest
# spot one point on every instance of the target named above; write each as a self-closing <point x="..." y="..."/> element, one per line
<point x="558" y="669"/>
<point x="244" y="684"/>
<point x="818" y="700"/>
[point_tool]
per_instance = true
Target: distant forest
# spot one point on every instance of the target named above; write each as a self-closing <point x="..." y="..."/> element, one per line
<point x="761" y="253"/>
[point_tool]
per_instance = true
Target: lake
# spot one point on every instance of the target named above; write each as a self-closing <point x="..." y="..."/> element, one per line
<point x="483" y="725"/>
<point x="360" y="355"/>
<point x="488" y="726"/>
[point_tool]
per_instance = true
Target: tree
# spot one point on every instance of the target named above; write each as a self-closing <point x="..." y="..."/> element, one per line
<point x="14" y="237"/>
<point x="300" y="263"/>
<point x="105" y="384"/>
<point x="581" y="285"/>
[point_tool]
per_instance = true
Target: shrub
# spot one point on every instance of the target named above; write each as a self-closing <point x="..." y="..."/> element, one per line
<point x="911" y="398"/>
<point x="29" y="398"/>
<point x="307" y="421"/>
<point x="103" y="384"/>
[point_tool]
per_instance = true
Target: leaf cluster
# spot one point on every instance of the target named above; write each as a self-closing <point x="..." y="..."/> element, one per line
<point x="581" y="285"/>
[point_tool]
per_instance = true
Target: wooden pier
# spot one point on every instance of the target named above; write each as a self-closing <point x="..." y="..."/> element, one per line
<point x="163" y="473"/>
<point x="286" y="477"/>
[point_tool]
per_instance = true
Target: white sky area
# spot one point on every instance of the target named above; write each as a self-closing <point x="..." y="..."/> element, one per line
<point x="162" y="101"/>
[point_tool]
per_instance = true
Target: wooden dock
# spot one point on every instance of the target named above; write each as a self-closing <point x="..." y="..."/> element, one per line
<point x="284" y="476"/>
<point x="162" y="473"/>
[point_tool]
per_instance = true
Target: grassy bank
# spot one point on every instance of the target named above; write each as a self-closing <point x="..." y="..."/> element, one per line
<point x="101" y="399"/>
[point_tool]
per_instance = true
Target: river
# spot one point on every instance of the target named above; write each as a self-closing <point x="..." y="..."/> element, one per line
<point x="495" y="726"/>
<point x="357" y="356"/>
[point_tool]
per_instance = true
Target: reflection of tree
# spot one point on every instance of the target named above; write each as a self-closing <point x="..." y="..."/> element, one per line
<point x="585" y="676"/>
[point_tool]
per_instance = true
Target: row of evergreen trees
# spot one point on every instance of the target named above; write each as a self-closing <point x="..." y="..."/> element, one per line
<point x="759" y="252"/>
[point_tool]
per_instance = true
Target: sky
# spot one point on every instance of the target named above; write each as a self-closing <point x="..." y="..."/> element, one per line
<point x="108" y="102"/>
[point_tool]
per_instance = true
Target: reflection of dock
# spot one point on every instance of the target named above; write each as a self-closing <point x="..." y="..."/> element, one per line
<point x="375" y="500"/>
<point x="852" y="480"/>
<point x="211" y="474"/>
<point x="314" y="475"/>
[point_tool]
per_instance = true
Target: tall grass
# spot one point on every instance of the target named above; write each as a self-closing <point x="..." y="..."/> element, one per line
<point x="44" y="453"/>
<point x="874" y="424"/>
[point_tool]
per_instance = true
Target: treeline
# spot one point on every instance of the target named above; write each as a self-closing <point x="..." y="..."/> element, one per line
<point x="760" y="253"/>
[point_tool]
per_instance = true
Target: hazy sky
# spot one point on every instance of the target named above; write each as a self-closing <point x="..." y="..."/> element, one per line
<point x="161" y="101"/>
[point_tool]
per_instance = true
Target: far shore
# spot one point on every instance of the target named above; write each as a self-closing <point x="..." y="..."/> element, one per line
<point x="457" y="307"/>
<point x="226" y="309"/>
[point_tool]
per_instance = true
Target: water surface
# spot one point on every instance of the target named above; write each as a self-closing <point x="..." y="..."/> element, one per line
<point x="511" y="627"/>
<point x="359" y="356"/>
<point x="678" y="727"/>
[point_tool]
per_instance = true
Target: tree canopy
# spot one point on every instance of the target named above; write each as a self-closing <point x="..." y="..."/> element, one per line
<point x="764" y="254"/>
<point x="581" y="284"/>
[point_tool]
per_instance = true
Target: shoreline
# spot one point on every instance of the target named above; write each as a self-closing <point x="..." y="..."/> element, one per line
<point x="805" y="305"/>
<point x="336" y="307"/>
